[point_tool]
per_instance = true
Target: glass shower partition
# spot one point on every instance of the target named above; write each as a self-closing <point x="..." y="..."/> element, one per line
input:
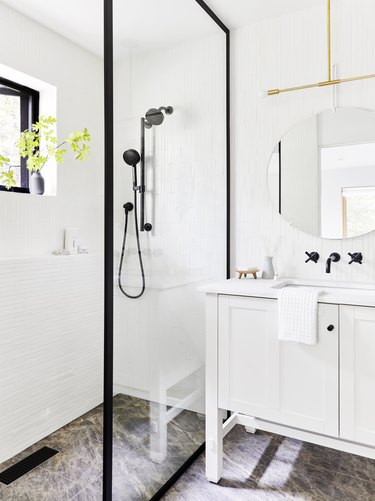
<point x="170" y="232"/>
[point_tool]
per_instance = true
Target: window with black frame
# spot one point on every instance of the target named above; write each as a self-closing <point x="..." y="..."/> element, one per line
<point x="19" y="108"/>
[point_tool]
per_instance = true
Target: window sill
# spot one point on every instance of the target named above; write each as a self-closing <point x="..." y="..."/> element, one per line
<point x="16" y="189"/>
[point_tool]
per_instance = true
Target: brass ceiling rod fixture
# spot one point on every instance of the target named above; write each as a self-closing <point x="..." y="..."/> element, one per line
<point x="329" y="81"/>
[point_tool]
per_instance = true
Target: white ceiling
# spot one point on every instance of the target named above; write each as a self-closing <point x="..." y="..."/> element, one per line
<point x="237" y="13"/>
<point x="147" y="24"/>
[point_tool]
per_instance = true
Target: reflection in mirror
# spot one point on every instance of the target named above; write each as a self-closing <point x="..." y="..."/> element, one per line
<point x="321" y="175"/>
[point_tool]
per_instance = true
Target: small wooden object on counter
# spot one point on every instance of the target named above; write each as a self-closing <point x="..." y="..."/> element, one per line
<point x="243" y="272"/>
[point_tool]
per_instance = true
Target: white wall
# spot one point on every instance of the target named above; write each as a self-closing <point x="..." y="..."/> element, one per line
<point x="281" y="52"/>
<point x="159" y="339"/>
<point x="51" y="307"/>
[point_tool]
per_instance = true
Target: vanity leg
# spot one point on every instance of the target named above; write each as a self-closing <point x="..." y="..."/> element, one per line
<point x="250" y="430"/>
<point x="214" y="446"/>
<point x="214" y="423"/>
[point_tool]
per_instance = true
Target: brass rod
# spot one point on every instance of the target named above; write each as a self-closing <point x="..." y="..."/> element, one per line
<point x="353" y="79"/>
<point x="329" y="39"/>
<point x="273" y="92"/>
<point x="330" y="81"/>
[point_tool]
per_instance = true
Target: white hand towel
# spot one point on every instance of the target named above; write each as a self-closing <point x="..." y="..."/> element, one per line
<point x="298" y="314"/>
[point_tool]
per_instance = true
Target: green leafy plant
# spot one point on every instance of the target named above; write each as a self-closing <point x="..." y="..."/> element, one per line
<point x="39" y="145"/>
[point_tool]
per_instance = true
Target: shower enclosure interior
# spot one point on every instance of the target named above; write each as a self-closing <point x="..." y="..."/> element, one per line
<point x="170" y="197"/>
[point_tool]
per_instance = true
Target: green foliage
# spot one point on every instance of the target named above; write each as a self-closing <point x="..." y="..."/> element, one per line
<point x="4" y="161"/>
<point x="8" y="179"/>
<point x="6" y="175"/>
<point x="39" y="145"/>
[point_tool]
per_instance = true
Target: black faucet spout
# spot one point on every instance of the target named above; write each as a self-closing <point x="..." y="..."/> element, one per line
<point x="333" y="258"/>
<point x="328" y="265"/>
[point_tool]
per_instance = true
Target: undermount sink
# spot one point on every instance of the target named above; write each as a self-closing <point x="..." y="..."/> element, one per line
<point x="339" y="287"/>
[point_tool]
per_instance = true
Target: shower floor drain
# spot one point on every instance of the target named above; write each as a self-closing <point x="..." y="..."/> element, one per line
<point x="27" y="464"/>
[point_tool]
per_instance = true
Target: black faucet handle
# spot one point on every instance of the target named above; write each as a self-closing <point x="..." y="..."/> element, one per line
<point x="356" y="257"/>
<point x="313" y="256"/>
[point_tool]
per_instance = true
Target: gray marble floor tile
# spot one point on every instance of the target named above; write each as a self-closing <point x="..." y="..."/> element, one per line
<point x="348" y="488"/>
<point x="93" y="492"/>
<point x="39" y="485"/>
<point x="358" y="467"/>
<point x="260" y="467"/>
<point x="75" y="473"/>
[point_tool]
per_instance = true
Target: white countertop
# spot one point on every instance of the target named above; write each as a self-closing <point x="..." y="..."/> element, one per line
<point x="350" y="293"/>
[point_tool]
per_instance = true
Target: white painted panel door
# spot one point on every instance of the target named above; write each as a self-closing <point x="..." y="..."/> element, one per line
<point x="357" y="382"/>
<point x="289" y="383"/>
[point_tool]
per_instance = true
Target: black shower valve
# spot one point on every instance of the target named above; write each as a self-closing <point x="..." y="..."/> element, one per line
<point x="313" y="256"/>
<point x="356" y="257"/>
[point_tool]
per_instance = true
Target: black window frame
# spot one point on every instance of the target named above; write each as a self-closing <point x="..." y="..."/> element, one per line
<point x="29" y="115"/>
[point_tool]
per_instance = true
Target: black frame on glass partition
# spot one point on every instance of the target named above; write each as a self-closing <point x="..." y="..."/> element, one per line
<point x="109" y="244"/>
<point x="29" y="114"/>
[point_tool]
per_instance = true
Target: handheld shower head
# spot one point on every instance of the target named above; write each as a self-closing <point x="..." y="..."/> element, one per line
<point x="155" y="116"/>
<point x="131" y="157"/>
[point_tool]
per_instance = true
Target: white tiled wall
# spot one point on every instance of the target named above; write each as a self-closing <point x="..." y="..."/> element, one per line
<point x="51" y="307"/>
<point x="281" y="52"/>
<point x="50" y="346"/>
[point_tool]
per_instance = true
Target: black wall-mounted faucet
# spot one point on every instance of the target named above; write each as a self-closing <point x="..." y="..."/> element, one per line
<point x="333" y="258"/>
<point x="313" y="256"/>
<point x="356" y="257"/>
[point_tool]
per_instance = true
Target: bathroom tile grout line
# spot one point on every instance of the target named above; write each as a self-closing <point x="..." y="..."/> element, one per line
<point x="86" y="486"/>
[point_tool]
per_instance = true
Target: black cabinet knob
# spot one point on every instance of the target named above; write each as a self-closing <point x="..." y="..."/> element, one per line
<point x="330" y="328"/>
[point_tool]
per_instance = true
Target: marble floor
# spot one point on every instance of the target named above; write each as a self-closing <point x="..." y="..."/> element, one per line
<point x="76" y="472"/>
<point x="267" y="467"/>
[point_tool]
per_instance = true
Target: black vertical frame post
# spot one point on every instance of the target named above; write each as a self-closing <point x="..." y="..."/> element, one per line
<point x="280" y="191"/>
<point x="226" y="31"/>
<point x="228" y="136"/>
<point x="108" y="250"/>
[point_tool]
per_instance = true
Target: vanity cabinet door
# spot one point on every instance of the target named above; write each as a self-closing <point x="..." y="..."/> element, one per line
<point x="357" y="381"/>
<point x="289" y="383"/>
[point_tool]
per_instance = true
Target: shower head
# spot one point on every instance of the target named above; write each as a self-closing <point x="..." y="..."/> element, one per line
<point x="131" y="157"/>
<point x="154" y="116"/>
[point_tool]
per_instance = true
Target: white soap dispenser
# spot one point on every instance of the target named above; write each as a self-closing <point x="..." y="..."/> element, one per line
<point x="71" y="240"/>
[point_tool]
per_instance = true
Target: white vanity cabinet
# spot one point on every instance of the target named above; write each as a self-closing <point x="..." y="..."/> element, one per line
<point x="357" y="374"/>
<point x="289" y="383"/>
<point x="322" y="393"/>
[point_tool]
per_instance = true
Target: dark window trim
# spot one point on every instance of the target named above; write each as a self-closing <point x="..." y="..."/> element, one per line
<point x="29" y="115"/>
<point x="109" y="244"/>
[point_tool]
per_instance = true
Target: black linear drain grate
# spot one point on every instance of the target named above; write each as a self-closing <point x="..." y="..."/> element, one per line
<point x="27" y="464"/>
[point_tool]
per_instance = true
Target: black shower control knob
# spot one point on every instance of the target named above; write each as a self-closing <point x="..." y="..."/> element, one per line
<point x="148" y="227"/>
<point x="356" y="257"/>
<point x="330" y="328"/>
<point x="313" y="256"/>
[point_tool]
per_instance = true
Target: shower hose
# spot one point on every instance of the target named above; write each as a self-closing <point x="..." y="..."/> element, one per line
<point x="139" y="251"/>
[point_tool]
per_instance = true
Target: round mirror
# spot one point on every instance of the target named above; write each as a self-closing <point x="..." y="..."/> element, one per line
<point x="321" y="175"/>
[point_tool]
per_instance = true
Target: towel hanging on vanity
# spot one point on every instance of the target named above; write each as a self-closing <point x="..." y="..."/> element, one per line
<point x="298" y="314"/>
